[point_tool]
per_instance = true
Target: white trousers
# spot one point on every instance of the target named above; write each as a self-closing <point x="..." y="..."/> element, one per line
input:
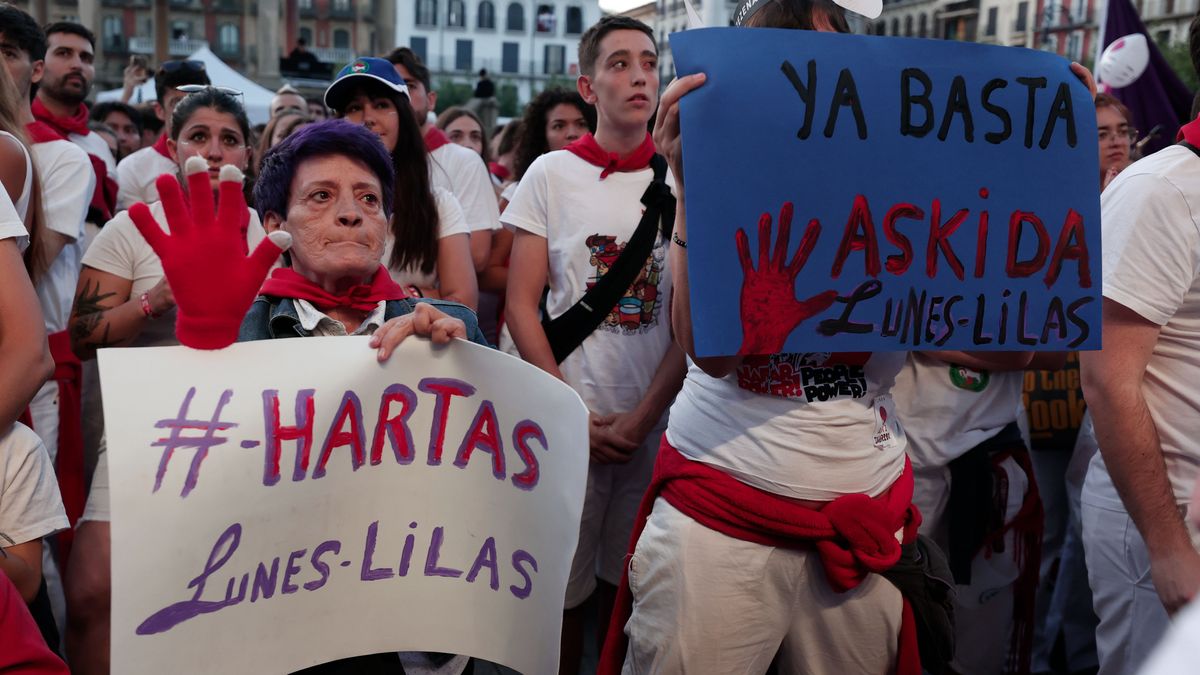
<point x="704" y="602"/>
<point x="1132" y="618"/>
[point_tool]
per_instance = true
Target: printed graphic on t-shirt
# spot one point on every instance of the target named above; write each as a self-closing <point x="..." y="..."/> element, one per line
<point x="637" y="312"/>
<point x="971" y="380"/>
<point x="809" y="377"/>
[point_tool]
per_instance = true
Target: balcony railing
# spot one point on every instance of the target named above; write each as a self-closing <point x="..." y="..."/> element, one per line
<point x="333" y="54"/>
<point x="447" y="65"/>
<point x="145" y="45"/>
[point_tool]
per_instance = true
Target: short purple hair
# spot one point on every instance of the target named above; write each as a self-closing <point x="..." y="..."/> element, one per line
<point x="323" y="139"/>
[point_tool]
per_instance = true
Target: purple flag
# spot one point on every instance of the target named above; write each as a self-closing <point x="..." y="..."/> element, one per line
<point x="1158" y="97"/>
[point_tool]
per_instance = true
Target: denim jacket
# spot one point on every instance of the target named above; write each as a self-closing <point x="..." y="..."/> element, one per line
<point x="270" y="318"/>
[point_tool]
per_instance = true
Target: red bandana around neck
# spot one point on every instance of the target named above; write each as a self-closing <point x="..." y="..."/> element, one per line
<point x="160" y="146"/>
<point x="590" y="151"/>
<point x="499" y="171"/>
<point x="1190" y="132"/>
<point x="75" y="124"/>
<point x="285" y="282"/>
<point x="104" y="197"/>
<point x="40" y="132"/>
<point x="435" y="138"/>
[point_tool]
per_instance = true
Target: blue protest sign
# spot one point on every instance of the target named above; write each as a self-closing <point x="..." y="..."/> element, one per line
<point x="851" y="193"/>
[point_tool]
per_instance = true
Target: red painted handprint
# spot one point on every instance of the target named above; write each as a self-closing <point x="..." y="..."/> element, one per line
<point x="770" y="310"/>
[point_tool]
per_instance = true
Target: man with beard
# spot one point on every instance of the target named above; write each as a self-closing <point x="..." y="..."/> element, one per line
<point x="66" y="80"/>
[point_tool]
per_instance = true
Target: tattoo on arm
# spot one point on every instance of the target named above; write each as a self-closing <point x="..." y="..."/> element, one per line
<point x="89" y="312"/>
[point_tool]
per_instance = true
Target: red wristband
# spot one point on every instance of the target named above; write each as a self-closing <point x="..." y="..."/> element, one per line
<point x="144" y="299"/>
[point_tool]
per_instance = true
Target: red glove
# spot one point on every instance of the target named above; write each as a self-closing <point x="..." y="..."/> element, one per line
<point x="204" y="256"/>
<point x="770" y="310"/>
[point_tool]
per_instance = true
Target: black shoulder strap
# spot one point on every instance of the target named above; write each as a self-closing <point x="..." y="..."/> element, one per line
<point x="567" y="331"/>
<point x="1189" y="146"/>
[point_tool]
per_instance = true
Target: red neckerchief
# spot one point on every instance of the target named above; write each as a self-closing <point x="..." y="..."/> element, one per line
<point x="1190" y="132"/>
<point x="285" y="282"/>
<point x="160" y="146"/>
<point x="590" y="151"/>
<point x="40" y="132"/>
<point x="434" y="139"/>
<point x="853" y="535"/>
<point x="75" y="124"/>
<point x="498" y="170"/>
<point x="104" y="197"/>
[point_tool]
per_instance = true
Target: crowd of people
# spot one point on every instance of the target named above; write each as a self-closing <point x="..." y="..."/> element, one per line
<point x="727" y="527"/>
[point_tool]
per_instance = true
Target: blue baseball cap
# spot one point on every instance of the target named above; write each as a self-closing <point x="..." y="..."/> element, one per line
<point x="357" y="73"/>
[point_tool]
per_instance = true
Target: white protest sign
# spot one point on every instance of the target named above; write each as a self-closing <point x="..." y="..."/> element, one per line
<point x="284" y="503"/>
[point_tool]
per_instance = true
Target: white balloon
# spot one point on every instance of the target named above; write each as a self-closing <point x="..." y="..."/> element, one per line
<point x="1124" y="61"/>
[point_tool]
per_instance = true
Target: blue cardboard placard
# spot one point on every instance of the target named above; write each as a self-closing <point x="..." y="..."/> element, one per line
<point x="937" y="195"/>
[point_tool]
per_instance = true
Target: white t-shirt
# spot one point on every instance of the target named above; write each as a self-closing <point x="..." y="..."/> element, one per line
<point x="587" y="222"/>
<point x="30" y="504"/>
<point x="121" y="250"/>
<point x="1151" y="243"/>
<point x="462" y="172"/>
<point x="67" y="185"/>
<point x="93" y="144"/>
<point x="136" y="175"/>
<point x="947" y="410"/>
<point x="11" y="225"/>
<point x="450" y="221"/>
<point x="807" y="426"/>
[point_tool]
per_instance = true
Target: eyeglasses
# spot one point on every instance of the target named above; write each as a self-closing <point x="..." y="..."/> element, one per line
<point x="1129" y="132"/>
<point x="188" y="64"/>
<point x="196" y="88"/>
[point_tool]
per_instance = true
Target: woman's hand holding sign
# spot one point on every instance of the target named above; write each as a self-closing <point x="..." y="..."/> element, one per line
<point x="204" y="256"/>
<point x="770" y="310"/>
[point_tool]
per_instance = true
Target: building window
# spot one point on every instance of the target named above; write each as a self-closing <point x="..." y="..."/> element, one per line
<point x="420" y="47"/>
<point x="1022" y="16"/>
<point x="228" y="40"/>
<point x="487" y="15"/>
<point x="554" y="60"/>
<point x="895" y="26"/>
<point x="426" y="12"/>
<point x="181" y="30"/>
<point x="1163" y="37"/>
<point x="923" y="30"/>
<point x="908" y="26"/>
<point x="989" y="29"/>
<point x="304" y="4"/>
<point x="510" y="56"/>
<point x="462" y="55"/>
<point x="574" y="20"/>
<point x="545" y="18"/>
<point x="341" y="39"/>
<point x="112" y="33"/>
<point x="1074" y="45"/>
<point x="515" y="20"/>
<point x="306" y="35"/>
<point x="341" y="5"/>
<point x="456" y="14"/>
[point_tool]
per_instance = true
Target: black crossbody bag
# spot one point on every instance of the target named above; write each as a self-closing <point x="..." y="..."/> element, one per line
<point x="571" y="328"/>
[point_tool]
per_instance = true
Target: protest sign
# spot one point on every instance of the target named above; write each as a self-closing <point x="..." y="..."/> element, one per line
<point x="853" y="194"/>
<point x="284" y="503"/>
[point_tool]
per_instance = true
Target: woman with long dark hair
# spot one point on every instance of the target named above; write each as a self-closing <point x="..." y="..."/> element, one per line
<point x="429" y="250"/>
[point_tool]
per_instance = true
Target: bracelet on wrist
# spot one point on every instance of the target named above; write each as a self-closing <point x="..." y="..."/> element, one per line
<point x="678" y="242"/>
<point x="144" y="301"/>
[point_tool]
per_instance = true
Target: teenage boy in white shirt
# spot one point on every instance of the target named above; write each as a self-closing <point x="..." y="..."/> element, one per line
<point x="572" y="216"/>
<point x="451" y="166"/>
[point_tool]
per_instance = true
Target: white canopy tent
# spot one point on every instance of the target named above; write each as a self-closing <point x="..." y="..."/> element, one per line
<point x="257" y="98"/>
